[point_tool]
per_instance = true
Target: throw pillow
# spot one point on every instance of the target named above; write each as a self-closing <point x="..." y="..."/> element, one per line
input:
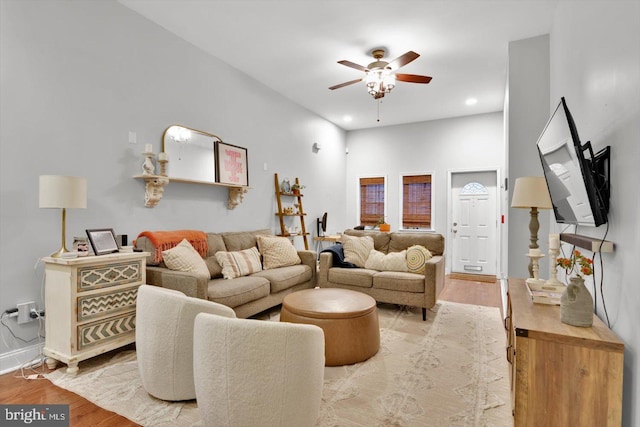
<point x="184" y="257"/>
<point x="393" y="261"/>
<point x="356" y="249"/>
<point x="417" y="257"/>
<point x="239" y="263"/>
<point x="277" y="252"/>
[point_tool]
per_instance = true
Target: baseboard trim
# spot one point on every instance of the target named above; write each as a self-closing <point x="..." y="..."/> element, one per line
<point x="13" y="360"/>
<point x="473" y="277"/>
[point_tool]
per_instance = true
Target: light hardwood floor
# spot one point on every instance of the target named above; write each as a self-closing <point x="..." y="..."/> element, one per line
<point x="16" y="390"/>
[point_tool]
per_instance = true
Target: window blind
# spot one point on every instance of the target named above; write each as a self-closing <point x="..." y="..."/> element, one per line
<point x="416" y="201"/>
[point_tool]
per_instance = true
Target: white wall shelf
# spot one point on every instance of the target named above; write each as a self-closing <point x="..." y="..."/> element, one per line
<point x="589" y="243"/>
<point x="154" y="189"/>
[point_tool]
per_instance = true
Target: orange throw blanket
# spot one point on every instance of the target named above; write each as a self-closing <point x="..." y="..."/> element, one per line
<point x="163" y="240"/>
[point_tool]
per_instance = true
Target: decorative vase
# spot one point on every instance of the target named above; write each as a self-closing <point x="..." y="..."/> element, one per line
<point x="576" y="304"/>
<point x="385" y="228"/>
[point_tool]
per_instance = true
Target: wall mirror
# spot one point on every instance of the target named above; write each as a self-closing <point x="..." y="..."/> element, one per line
<point x="191" y="154"/>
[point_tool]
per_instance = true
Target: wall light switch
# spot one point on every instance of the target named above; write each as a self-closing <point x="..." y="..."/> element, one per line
<point x="265" y="165"/>
<point x="132" y="137"/>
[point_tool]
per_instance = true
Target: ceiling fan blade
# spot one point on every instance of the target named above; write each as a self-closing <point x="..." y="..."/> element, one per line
<point x="352" y="65"/>
<point x="345" y="84"/>
<point x="413" y="78"/>
<point x="403" y="60"/>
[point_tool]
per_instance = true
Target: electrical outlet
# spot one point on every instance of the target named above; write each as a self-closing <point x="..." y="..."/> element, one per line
<point x="24" y="311"/>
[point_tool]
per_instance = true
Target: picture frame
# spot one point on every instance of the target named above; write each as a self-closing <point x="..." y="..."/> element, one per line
<point x="232" y="164"/>
<point x="103" y="241"/>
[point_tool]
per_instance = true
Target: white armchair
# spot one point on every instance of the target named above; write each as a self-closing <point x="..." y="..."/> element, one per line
<point x="257" y="373"/>
<point x="164" y="340"/>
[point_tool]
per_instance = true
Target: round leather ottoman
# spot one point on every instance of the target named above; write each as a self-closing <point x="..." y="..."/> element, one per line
<point x="349" y="320"/>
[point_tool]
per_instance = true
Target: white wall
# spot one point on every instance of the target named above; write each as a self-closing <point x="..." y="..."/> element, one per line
<point x="438" y="146"/>
<point x="528" y="100"/>
<point x="76" y="77"/>
<point x="595" y="65"/>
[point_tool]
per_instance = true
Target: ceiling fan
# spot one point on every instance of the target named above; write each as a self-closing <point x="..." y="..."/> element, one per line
<point x="379" y="75"/>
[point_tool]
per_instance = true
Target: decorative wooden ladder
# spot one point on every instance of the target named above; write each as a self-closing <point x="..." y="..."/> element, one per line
<point x="281" y="213"/>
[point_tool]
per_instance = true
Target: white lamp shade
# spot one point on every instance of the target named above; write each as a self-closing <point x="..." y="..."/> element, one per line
<point x="531" y="192"/>
<point x="63" y="191"/>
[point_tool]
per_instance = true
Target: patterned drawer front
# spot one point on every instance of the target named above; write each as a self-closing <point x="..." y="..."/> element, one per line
<point x="106" y="330"/>
<point x="111" y="275"/>
<point x="113" y="302"/>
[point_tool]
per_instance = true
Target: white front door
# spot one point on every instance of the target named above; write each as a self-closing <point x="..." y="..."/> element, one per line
<point x="474" y="222"/>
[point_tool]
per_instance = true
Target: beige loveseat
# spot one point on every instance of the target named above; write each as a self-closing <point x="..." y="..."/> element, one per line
<point x="246" y="295"/>
<point x="419" y="290"/>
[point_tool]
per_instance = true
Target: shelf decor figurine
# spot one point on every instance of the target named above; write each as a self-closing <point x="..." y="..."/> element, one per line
<point x="285" y="186"/>
<point x="576" y="303"/>
<point x="148" y="168"/>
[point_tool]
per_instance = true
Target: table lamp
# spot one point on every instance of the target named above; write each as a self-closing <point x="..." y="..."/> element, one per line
<point x="531" y="192"/>
<point x="63" y="192"/>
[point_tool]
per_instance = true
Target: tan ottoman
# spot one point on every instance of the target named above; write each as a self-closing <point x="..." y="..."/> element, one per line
<point x="349" y="320"/>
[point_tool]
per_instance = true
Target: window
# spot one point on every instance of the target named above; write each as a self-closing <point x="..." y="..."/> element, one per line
<point x="416" y="201"/>
<point x="371" y="200"/>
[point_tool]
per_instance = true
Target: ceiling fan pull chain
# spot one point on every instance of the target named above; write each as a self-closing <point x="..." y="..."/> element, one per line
<point x="378" y="109"/>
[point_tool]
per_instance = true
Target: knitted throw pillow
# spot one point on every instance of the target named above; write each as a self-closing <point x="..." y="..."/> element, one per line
<point x="393" y="261"/>
<point x="184" y="257"/>
<point x="417" y="257"/>
<point x="277" y="252"/>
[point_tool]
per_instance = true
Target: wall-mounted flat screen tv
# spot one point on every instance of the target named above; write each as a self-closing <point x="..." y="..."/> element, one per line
<point x="578" y="180"/>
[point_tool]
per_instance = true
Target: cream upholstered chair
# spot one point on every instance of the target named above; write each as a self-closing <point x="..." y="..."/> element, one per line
<point x="164" y="340"/>
<point x="257" y="373"/>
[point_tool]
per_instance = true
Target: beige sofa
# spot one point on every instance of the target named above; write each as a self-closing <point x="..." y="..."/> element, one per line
<point x="419" y="290"/>
<point x="247" y="295"/>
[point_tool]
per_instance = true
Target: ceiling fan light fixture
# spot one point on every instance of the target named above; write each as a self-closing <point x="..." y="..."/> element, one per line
<point x="379" y="76"/>
<point x="379" y="82"/>
<point x="389" y="80"/>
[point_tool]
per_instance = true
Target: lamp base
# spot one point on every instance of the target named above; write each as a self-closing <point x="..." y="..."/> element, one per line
<point x="60" y="253"/>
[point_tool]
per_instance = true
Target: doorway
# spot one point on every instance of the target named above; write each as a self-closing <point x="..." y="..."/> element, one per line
<point x="473" y="220"/>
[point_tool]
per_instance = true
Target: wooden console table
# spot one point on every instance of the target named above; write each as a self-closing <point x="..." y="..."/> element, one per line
<point x="561" y="375"/>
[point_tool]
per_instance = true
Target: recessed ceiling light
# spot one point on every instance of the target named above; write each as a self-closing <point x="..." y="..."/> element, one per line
<point x="347" y="118"/>
<point x="471" y="101"/>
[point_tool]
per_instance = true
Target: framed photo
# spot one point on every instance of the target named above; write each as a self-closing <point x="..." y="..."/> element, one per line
<point x="232" y="164"/>
<point x="103" y="241"/>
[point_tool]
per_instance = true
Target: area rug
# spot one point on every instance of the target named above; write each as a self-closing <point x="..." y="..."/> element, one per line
<point x="447" y="371"/>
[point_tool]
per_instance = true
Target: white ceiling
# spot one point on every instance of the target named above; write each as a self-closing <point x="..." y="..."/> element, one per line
<point x="293" y="46"/>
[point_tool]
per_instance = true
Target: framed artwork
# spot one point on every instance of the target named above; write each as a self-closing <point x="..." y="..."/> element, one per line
<point x="232" y="164"/>
<point x="103" y="241"/>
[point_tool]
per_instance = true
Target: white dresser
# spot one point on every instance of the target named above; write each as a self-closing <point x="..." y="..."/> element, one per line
<point x="90" y="305"/>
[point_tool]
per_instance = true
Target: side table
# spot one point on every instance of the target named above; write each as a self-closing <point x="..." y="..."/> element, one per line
<point x="321" y="239"/>
<point x="90" y="305"/>
<point x="561" y="375"/>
